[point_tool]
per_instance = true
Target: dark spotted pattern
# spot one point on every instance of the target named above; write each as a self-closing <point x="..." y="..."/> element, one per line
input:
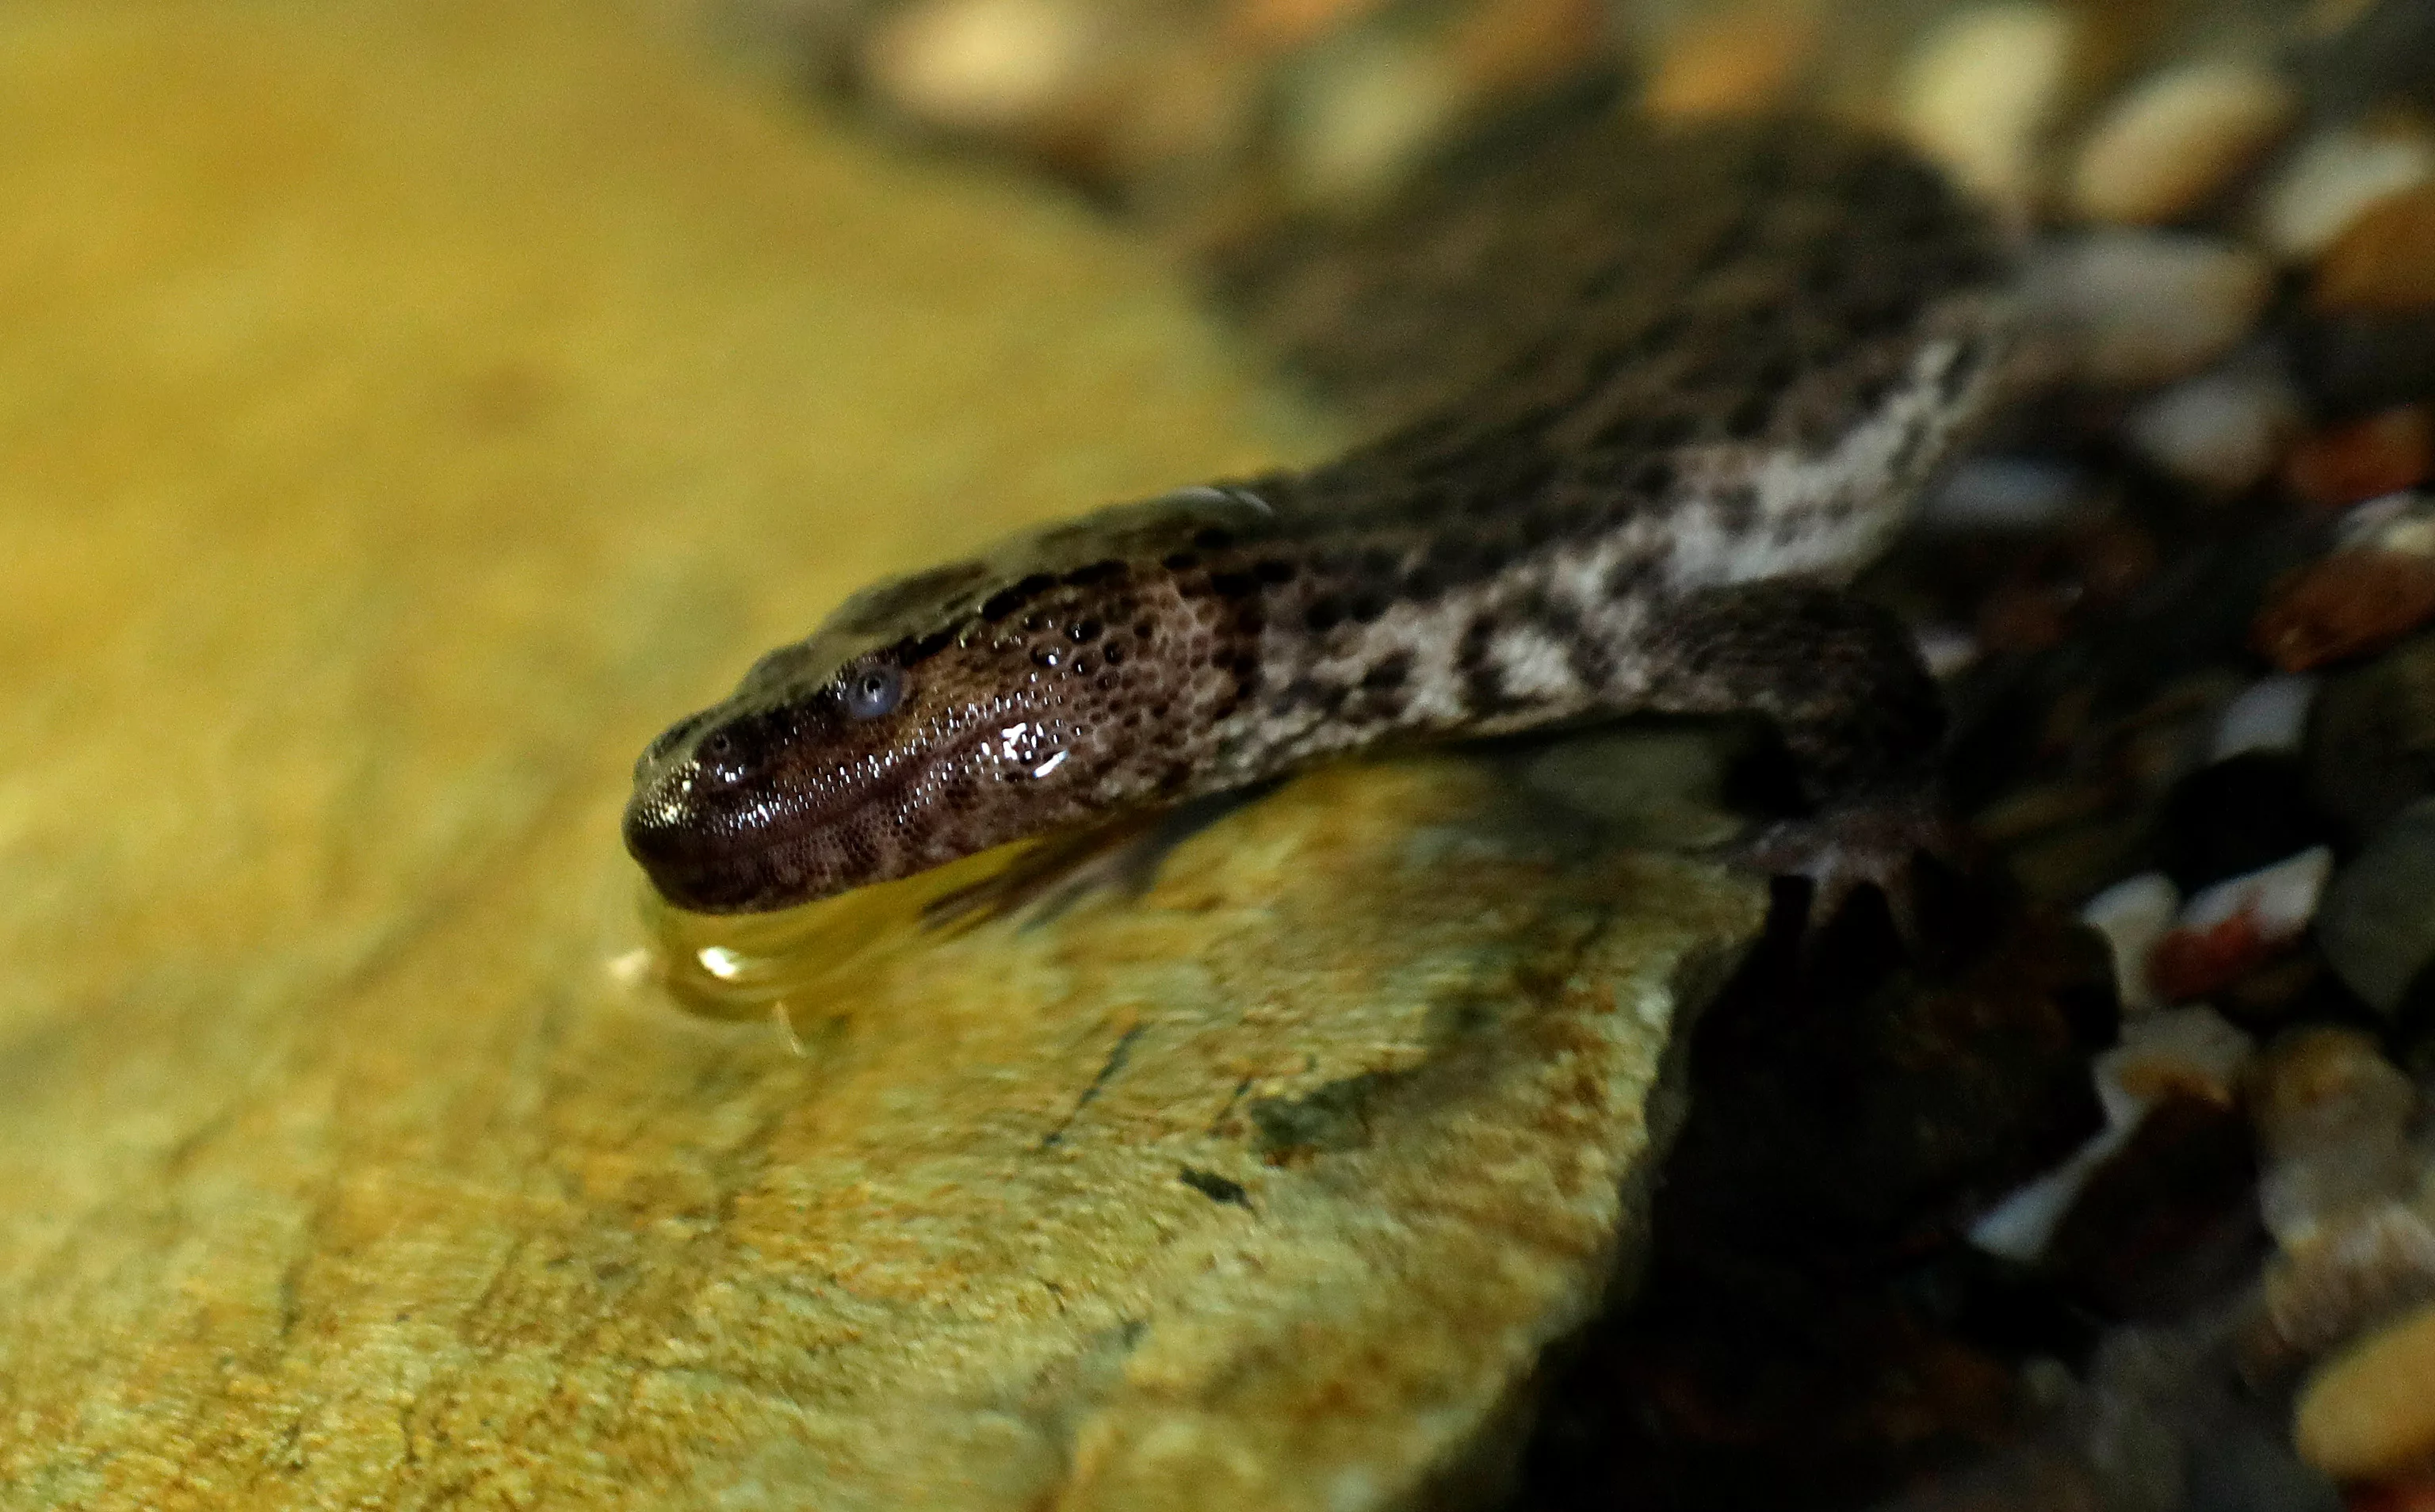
<point x="1622" y="386"/>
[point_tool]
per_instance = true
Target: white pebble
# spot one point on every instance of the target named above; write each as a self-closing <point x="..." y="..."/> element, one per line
<point x="2132" y="916"/>
<point x="2221" y="430"/>
<point x="985" y="67"/>
<point x="2393" y="521"/>
<point x="2020" y="1226"/>
<point x="2280" y="900"/>
<point x="2175" y="140"/>
<point x="2138" y="307"/>
<point x="2187" y="1050"/>
<point x="2325" y="186"/>
<point x="1981" y="91"/>
<point x="2270" y="715"/>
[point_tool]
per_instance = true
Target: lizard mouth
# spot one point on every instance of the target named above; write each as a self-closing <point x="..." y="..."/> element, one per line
<point x="718" y="832"/>
<point x="721" y="836"/>
<point x="700" y="863"/>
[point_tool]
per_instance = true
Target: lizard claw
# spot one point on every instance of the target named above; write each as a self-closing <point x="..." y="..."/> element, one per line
<point x="1875" y="842"/>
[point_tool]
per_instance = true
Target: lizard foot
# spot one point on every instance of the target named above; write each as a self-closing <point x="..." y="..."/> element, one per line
<point x="1874" y="842"/>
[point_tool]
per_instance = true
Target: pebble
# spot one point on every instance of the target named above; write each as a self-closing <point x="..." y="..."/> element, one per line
<point x="1980" y="91"/>
<point x="2185" y="1051"/>
<point x="2392" y="522"/>
<point x="2232" y="817"/>
<point x="1283" y="25"/>
<point x="1516" y="48"/>
<point x="1357" y="115"/>
<point x="2281" y="899"/>
<point x="986" y="68"/>
<point x="2370" y="749"/>
<point x="2111" y="560"/>
<point x="2377" y="926"/>
<point x="2339" y="1272"/>
<point x="2385" y="452"/>
<point x="2237" y="925"/>
<point x="2247" y="1465"/>
<point x="2353" y="365"/>
<point x="2326" y="1072"/>
<point x="2165" y="1222"/>
<point x="2133" y="915"/>
<point x="2360" y="52"/>
<point x="2332" y="1116"/>
<point x="2270" y="715"/>
<point x="2195" y="963"/>
<point x="2020" y="618"/>
<point x="2168" y="737"/>
<point x="2134" y="309"/>
<point x="2330" y="181"/>
<point x="2020" y="1226"/>
<point x="1732" y="60"/>
<point x="2385" y="262"/>
<point x="2022" y="493"/>
<point x="2171" y="142"/>
<point x="1947" y="650"/>
<point x="2220" y="432"/>
<point x="2414" y="1494"/>
<point x="2369" y="1411"/>
<point x="2345" y="605"/>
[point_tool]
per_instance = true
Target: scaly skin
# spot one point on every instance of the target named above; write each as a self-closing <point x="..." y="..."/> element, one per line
<point x="1668" y="390"/>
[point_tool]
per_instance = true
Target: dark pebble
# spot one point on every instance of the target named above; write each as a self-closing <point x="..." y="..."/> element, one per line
<point x="2170" y="1220"/>
<point x="2377" y="922"/>
<point x="2247" y="1465"/>
<point x="2371" y="746"/>
<point x="2351" y="365"/>
<point x="2386" y="52"/>
<point x="2236" y="815"/>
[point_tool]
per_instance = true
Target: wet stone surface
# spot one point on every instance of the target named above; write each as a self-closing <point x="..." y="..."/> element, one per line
<point x="1264" y="1187"/>
<point x="426" y="411"/>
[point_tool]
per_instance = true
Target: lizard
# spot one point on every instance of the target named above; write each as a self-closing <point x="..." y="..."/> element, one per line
<point x="1643" y="403"/>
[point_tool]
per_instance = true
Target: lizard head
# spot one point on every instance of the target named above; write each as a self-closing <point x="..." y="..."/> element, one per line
<point x="931" y="718"/>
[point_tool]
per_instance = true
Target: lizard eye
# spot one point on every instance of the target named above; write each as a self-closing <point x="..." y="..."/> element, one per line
<point x="874" y="692"/>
